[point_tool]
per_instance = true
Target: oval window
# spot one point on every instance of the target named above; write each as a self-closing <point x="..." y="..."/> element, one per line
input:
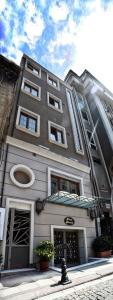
<point x="22" y="176"/>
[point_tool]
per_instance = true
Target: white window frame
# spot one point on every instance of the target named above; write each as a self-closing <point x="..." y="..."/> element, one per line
<point x="23" y="205"/>
<point x="65" y="175"/>
<point x="54" y="79"/>
<point x="54" y="98"/>
<point x="35" y="67"/>
<point x="29" y="113"/>
<point x="33" y="85"/>
<point x="90" y="141"/>
<point x="59" y="128"/>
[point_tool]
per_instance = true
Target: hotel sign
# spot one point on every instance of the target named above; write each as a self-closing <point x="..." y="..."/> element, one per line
<point x="69" y="221"/>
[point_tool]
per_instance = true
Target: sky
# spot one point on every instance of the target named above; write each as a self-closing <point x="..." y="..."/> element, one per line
<point x="60" y="35"/>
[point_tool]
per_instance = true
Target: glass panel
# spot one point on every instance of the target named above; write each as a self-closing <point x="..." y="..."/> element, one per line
<point x="27" y="87"/>
<point x="54" y="83"/>
<point x="32" y="124"/>
<point x="53" y="134"/>
<point x="30" y="66"/>
<point x="51" y="101"/>
<point x="57" y="104"/>
<point x="23" y="120"/>
<point x="54" y="184"/>
<point x="84" y="114"/>
<point x="34" y="92"/>
<point x="64" y="185"/>
<point x="60" y="137"/>
<point x="36" y="71"/>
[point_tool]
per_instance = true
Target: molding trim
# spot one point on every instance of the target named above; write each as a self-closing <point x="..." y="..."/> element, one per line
<point x="26" y="170"/>
<point x="66" y="175"/>
<point x="29" y="113"/>
<point x="56" y="126"/>
<point x="20" y="204"/>
<point x="47" y="154"/>
<point x="68" y="228"/>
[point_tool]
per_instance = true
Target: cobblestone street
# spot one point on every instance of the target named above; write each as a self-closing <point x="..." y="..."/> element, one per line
<point x="99" y="291"/>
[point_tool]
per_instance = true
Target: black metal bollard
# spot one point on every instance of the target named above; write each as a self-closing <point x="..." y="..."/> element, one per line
<point x="64" y="276"/>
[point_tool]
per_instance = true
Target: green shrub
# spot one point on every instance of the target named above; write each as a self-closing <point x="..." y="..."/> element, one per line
<point x="101" y="243"/>
<point x="45" y="250"/>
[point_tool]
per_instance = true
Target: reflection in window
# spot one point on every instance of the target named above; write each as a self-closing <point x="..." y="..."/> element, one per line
<point x="62" y="184"/>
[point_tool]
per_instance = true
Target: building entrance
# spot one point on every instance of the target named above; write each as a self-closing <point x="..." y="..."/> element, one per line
<point x="18" y="239"/>
<point x="66" y="245"/>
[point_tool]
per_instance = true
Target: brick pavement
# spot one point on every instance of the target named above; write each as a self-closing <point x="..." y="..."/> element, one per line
<point x="36" y="285"/>
<point x="101" y="289"/>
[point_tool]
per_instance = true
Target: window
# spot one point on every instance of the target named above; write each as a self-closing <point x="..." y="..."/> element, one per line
<point x="91" y="139"/>
<point x="62" y="184"/>
<point x="53" y="81"/>
<point x="71" y="100"/>
<point x="35" y="70"/>
<point x="57" y="134"/>
<point x="22" y="176"/>
<point x="97" y="160"/>
<point x="28" y="121"/>
<point x="54" y="102"/>
<point x="31" y="89"/>
<point x="85" y="115"/>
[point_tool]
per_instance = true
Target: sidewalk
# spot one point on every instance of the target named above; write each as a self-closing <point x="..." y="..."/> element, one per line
<point x="35" y="285"/>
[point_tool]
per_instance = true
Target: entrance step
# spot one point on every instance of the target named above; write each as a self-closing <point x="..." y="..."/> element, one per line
<point x="4" y="273"/>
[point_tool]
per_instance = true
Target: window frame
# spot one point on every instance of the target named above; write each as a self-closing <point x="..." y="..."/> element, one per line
<point x="91" y="144"/>
<point x="30" y="114"/>
<point x="32" y="85"/>
<point x="53" y="78"/>
<point x="60" y="128"/>
<point x="64" y="175"/>
<point x="57" y="99"/>
<point x="34" y="67"/>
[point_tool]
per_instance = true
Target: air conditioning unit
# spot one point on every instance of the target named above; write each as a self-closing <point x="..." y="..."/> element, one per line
<point x="2" y="219"/>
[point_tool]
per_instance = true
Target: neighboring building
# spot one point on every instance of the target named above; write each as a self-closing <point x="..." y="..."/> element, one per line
<point x="46" y="154"/>
<point x="9" y="73"/>
<point x="94" y="104"/>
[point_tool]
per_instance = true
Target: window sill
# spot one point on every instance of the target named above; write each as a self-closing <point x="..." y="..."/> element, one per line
<point x="58" y="144"/>
<point x="28" y="94"/>
<point x="56" y="109"/>
<point x="37" y="134"/>
<point x="36" y="75"/>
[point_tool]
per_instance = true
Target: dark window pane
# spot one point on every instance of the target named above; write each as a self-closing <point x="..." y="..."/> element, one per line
<point x="27" y="87"/>
<point x="30" y="66"/>
<point x="51" y="101"/>
<point x="84" y="114"/>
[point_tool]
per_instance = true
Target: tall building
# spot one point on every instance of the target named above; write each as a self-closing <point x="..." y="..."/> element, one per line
<point x="94" y="104"/>
<point x="47" y="186"/>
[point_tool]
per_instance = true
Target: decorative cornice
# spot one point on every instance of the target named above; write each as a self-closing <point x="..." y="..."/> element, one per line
<point x="47" y="154"/>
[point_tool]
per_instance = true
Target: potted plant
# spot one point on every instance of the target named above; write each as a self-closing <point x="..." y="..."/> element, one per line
<point x="45" y="251"/>
<point x="102" y="246"/>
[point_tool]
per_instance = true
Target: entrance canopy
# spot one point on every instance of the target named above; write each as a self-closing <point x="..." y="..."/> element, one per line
<point x="66" y="198"/>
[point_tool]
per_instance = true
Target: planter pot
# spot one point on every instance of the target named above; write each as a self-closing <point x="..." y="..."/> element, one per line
<point x="44" y="265"/>
<point x="104" y="254"/>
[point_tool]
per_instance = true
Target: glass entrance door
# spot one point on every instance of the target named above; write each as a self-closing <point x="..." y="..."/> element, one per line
<point x="66" y="245"/>
<point x="18" y="239"/>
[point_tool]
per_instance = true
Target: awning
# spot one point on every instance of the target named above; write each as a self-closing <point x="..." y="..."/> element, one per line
<point x="68" y="199"/>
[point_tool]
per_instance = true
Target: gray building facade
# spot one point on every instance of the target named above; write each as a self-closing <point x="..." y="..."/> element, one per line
<point x="46" y="155"/>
